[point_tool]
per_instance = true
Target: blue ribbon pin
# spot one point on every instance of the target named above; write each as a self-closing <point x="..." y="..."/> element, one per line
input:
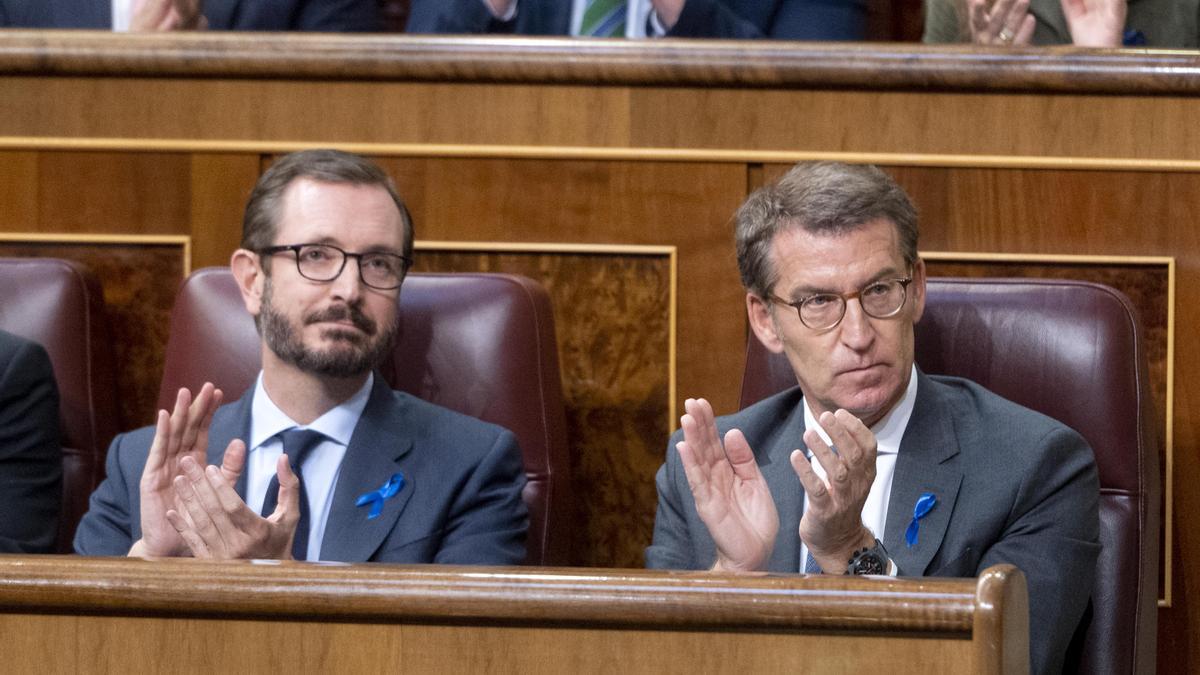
<point x="924" y="505"/>
<point x="376" y="498"/>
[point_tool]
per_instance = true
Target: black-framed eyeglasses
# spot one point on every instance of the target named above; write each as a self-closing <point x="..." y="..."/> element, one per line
<point x="323" y="262"/>
<point x="880" y="299"/>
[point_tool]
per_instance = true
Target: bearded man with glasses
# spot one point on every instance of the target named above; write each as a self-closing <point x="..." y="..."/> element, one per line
<point x="807" y="480"/>
<point x="319" y="459"/>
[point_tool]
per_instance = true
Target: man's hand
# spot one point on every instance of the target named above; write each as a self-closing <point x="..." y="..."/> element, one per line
<point x="999" y="22"/>
<point x="832" y="523"/>
<point x="164" y="15"/>
<point x="499" y="8"/>
<point x="731" y="496"/>
<point x="183" y="433"/>
<point x="1095" y="23"/>
<point x="668" y="11"/>
<point x="216" y="523"/>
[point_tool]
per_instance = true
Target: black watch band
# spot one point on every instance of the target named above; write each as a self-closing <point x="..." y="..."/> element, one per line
<point x="871" y="560"/>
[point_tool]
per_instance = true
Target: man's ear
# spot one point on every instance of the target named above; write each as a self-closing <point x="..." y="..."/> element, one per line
<point x="762" y="323"/>
<point x="916" y="290"/>
<point x="247" y="271"/>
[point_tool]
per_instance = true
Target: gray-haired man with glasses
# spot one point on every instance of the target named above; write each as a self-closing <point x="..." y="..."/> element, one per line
<point x="319" y="459"/>
<point x="869" y="466"/>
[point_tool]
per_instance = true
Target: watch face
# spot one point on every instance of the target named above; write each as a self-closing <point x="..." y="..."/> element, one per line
<point x="870" y="563"/>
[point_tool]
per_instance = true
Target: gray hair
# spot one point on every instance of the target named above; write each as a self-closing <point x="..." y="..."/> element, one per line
<point x="328" y="166"/>
<point x="820" y="197"/>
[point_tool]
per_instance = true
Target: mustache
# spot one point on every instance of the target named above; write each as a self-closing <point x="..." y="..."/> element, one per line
<point x="351" y="313"/>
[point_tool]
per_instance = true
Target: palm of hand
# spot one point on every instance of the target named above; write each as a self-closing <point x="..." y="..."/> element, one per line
<point x="1095" y="23"/>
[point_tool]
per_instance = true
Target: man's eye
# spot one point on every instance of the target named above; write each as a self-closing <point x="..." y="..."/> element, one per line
<point x="819" y="301"/>
<point x="314" y="254"/>
<point x="877" y="289"/>
<point x="380" y="264"/>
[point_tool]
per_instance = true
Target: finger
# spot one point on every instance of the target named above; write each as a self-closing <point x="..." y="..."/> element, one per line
<point x="230" y="502"/>
<point x="998" y="17"/>
<point x="196" y="414"/>
<point x="700" y="432"/>
<point x="183" y="400"/>
<point x="288" y="506"/>
<point x="860" y="435"/>
<point x="157" y="458"/>
<point x="706" y="423"/>
<point x="183" y="526"/>
<point x="233" y="462"/>
<point x="201" y="521"/>
<point x="204" y="493"/>
<point x="814" y="487"/>
<point x="835" y="468"/>
<point x="978" y="17"/>
<point x="1015" y="18"/>
<point x="741" y="457"/>
<point x="1025" y="32"/>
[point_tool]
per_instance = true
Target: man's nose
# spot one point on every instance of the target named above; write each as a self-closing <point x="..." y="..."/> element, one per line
<point x="348" y="285"/>
<point x="857" y="330"/>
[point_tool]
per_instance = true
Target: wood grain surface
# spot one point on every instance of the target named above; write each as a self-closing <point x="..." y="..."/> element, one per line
<point x="1004" y="151"/>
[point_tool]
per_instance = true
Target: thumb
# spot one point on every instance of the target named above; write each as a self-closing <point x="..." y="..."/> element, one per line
<point x="233" y="462"/>
<point x="288" y="507"/>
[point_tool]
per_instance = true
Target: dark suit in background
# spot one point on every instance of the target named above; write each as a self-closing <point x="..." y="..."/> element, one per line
<point x="460" y="504"/>
<point x="260" y="15"/>
<point x="1012" y="486"/>
<point x="30" y="448"/>
<point x="741" y="19"/>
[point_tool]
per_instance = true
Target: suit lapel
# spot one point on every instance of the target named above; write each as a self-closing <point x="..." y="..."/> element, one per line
<point x="380" y="440"/>
<point x="927" y="462"/>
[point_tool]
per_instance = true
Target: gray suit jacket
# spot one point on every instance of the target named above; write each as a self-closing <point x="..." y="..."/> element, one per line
<point x="262" y="15"/>
<point x="460" y="504"/>
<point x="1012" y="486"/>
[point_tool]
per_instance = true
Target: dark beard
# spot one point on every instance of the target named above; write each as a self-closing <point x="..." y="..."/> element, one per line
<point x="355" y="354"/>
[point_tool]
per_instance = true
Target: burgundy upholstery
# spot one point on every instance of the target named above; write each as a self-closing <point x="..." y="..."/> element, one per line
<point x="481" y="344"/>
<point x="1070" y="350"/>
<point x="58" y="304"/>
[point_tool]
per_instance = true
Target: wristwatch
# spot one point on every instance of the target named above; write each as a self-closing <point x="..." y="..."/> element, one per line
<point x="871" y="560"/>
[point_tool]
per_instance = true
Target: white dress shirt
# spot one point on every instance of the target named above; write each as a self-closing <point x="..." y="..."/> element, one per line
<point x="888" y="431"/>
<point x="122" y="14"/>
<point x="320" y="468"/>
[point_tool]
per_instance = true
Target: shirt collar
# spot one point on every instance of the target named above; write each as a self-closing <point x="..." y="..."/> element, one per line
<point x="888" y="431"/>
<point x="337" y="424"/>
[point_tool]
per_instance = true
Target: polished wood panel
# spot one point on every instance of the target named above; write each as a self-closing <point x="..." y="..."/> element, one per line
<point x="612" y="317"/>
<point x="81" y="614"/>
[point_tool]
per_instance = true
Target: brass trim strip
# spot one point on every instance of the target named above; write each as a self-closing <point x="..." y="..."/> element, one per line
<point x="1168" y="519"/>
<point x="468" y="151"/>
<point x="182" y="240"/>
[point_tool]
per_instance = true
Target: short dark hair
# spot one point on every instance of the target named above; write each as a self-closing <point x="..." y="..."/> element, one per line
<point x="829" y="197"/>
<point x="330" y="166"/>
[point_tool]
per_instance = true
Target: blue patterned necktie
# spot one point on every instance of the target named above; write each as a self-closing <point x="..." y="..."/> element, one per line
<point x="297" y="444"/>
<point x="603" y="18"/>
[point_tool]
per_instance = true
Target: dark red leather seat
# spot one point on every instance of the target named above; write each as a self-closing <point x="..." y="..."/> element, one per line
<point x="1070" y="350"/>
<point x="481" y="344"/>
<point x="58" y="304"/>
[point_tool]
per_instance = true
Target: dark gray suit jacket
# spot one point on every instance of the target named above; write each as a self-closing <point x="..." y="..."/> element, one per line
<point x="30" y="449"/>
<point x="742" y="19"/>
<point x="262" y="15"/>
<point x="1012" y="486"/>
<point x="460" y="504"/>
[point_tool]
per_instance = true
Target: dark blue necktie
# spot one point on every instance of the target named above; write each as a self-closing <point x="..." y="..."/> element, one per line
<point x="297" y="444"/>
